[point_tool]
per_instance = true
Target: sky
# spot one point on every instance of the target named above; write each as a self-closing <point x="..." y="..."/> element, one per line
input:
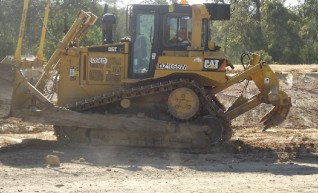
<point x="287" y="3"/>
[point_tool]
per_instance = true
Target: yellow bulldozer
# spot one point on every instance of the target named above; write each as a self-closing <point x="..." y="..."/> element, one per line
<point x="157" y="87"/>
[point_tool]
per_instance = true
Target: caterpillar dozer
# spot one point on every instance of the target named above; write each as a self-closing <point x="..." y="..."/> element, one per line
<point x="158" y="87"/>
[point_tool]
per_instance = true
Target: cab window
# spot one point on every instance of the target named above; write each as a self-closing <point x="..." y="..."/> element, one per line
<point x="142" y="45"/>
<point x="178" y="31"/>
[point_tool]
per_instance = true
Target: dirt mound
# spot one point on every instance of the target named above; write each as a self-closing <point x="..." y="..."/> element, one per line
<point x="281" y="144"/>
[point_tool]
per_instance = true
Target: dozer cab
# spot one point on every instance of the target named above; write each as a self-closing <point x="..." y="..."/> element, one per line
<point x="157" y="87"/>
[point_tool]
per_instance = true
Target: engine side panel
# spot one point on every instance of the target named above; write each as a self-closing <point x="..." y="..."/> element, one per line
<point x="86" y="72"/>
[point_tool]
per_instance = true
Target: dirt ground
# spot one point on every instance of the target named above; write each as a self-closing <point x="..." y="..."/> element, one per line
<point x="281" y="159"/>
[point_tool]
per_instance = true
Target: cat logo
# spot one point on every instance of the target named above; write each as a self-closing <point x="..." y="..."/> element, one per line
<point x="212" y="64"/>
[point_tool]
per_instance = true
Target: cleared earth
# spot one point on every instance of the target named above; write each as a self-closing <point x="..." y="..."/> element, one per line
<point x="281" y="159"/>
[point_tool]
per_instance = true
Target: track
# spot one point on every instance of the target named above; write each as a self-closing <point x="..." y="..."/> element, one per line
<point x="210" y="127"/>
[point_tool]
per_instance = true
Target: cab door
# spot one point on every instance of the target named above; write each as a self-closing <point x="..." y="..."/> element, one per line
<point x="144" y="48"/>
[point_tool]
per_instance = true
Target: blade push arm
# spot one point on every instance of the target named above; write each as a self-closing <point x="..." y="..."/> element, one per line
<point x="268" y="84"/>
<point x="264" y="78"/>
<point x="74" y="35"/>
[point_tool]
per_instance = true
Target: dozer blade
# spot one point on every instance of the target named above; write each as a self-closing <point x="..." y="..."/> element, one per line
<point x="7" y="77"/>
<point x="277" y="115"/>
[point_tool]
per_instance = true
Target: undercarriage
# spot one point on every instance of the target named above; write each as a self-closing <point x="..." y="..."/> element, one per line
<point x="183" y="115"/>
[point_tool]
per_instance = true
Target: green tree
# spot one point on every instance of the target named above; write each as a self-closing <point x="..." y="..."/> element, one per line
<point x="280" y="28"/>
<point x="62" y="15"/>
<point x="281" y="34"/>
<point x="9" y="21"/>
<point x="243" y="31"/>
<point x="309" y="31"/>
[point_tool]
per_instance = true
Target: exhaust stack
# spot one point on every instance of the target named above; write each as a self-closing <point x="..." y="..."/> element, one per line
<point x="108" y="23"/>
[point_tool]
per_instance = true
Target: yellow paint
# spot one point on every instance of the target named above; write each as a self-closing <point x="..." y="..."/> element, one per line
<point x="17" y="54"/>
<point x="171" y="8"/>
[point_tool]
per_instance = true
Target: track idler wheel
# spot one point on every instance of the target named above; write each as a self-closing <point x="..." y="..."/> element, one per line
<point x="183" y="104"/>
<point x="216" y="129"/>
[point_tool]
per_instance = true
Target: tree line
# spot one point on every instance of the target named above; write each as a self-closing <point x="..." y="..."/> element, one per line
<point x="280" y="34"/>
